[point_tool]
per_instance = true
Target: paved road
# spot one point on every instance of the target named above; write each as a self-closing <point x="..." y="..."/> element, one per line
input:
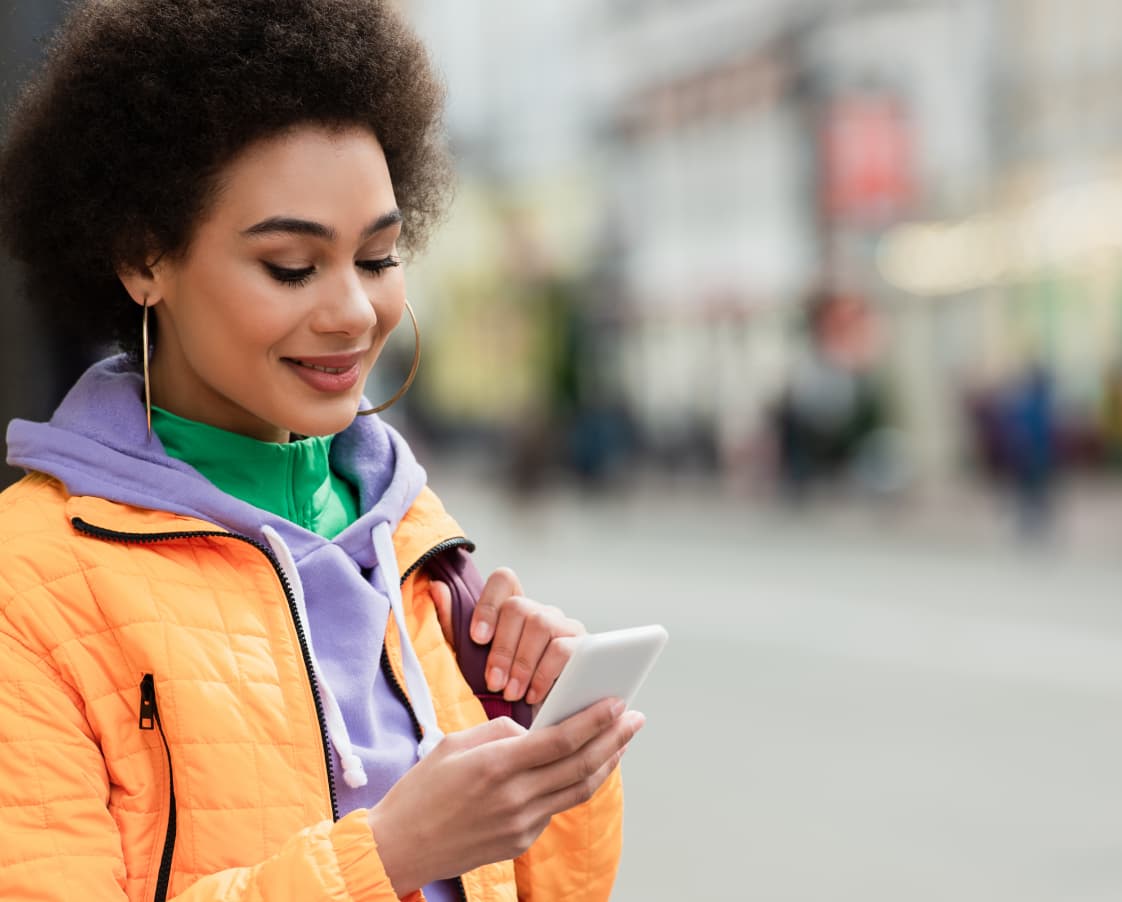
<point x="907" y="707"/>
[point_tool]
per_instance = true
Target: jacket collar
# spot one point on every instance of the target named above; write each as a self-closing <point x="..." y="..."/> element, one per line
<point x="425" y="526"/>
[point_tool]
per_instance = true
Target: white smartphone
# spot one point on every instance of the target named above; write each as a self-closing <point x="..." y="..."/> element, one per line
<point x="604" y="665"/>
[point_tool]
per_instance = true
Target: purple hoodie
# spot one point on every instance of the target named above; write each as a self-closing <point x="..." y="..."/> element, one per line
<point x="97" y="443"/>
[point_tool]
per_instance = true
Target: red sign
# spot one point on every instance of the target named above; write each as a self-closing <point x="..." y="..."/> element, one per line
<point x="867" y="160"/>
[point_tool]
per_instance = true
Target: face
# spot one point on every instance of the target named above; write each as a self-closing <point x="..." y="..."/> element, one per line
<point x="272" y="321"/>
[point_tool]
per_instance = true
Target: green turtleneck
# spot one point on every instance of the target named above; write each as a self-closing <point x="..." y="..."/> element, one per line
<point x="293" y="480"/>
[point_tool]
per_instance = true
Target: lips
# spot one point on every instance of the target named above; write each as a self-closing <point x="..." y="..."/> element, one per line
<point x="329" y="362"/>
<point x="334" y="370"/>
<point x="328" y="373"/>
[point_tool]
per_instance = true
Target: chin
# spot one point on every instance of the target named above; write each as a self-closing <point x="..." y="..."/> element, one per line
<point x="323" y="422"/>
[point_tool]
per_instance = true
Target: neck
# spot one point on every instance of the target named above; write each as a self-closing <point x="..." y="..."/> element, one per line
<point x="205" y="405"/>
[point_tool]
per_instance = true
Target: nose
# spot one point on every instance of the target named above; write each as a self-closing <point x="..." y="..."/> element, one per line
<point x="345" y="307"/>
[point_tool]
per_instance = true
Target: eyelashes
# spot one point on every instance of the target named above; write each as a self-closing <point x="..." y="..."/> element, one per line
<point x="379" y="265"/>
<point x="298" y="277"/>
<point x="294" y="277"/>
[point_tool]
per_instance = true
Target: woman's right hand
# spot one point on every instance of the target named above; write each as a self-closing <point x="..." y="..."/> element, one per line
<point x="485" y="794"/>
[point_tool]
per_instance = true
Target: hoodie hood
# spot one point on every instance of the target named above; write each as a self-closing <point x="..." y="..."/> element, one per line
<point x="97" y="443"/>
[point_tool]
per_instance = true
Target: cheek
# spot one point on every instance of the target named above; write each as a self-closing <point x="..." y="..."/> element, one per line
<point x="243" y="311"/>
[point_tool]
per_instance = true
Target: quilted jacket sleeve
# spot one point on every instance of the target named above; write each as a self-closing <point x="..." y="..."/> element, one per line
<point x="326" y="862"/>
<point x="61" y="843"/>
<point x="576" y="858"/>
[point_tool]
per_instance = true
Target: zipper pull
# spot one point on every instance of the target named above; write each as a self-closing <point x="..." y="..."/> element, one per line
<point x="147" y="703"/>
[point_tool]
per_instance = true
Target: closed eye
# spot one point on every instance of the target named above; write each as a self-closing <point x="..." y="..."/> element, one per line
<point x="379" y="265"/>
<point x="294" y="277"/>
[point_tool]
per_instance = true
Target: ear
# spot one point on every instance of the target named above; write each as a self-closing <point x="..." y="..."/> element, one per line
<point x="143" y="283"/>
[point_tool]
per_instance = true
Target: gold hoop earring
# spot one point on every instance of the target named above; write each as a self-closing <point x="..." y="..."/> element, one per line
<point x="412" y="370"/>
<point x="144" y="358"/>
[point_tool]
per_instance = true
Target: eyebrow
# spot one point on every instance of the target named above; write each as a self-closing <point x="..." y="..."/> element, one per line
<point x="290" y="225"/>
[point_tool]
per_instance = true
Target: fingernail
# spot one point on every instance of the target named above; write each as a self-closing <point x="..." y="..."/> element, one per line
<point x="618" y="708"/>
<point x="513" y="690"/>
<point x="481" y="632"/>
<point x="495" y="679"/>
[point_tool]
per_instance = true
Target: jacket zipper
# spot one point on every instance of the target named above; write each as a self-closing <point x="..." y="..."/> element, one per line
<point x="130" y="538"/>
<point x="448" y="545"/>
<point x="113" y="535"/>
<point x="418" y="733"/>
<point x="149" y="718"/>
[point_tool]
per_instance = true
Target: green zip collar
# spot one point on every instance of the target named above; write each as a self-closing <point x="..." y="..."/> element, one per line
<point x="293" y="480"/>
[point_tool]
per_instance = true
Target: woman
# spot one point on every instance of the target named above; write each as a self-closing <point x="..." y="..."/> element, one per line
<point x="228" y="606"/>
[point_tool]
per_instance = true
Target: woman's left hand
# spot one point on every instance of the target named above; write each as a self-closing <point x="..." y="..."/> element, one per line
<point x="530" y="641"/>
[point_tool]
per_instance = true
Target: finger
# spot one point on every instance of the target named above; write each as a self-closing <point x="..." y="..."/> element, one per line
<point x="442" y="600"/>
<point x="549" y="744"/>
<point x="583" y="771"/>
<point x="499" y="587"/>
<point x="552" y="662"/>
<point x="513" y="616"/>
<point x="492" y="731"/>
<point x="579" y="793"/>
<point x="534" y="641"/>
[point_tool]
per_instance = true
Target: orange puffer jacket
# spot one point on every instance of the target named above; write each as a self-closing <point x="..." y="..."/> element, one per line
<point x="159" y="735"/>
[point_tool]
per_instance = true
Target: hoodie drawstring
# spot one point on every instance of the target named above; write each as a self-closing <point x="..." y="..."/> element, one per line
<point x="354" y="774"/>
<point x="415" y="683"/>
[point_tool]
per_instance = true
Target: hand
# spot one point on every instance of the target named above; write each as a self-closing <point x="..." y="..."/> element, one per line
<point x="485" y="794"/>
<point x="532" y="641"/>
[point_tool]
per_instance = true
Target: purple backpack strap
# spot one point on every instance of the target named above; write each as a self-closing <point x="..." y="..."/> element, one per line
<point x="456" y="569"/>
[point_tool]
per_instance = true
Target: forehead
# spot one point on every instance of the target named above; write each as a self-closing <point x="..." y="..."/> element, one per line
<point x="334" y="176"/>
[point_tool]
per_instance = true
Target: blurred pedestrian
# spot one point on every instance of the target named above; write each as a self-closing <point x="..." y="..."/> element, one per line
<point x="231" y="609"/>
<point x="1030" y="427"/>
<point x="831" y="413"/>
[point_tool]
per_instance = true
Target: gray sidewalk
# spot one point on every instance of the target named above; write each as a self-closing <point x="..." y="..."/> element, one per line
<point x="904" y="706"/>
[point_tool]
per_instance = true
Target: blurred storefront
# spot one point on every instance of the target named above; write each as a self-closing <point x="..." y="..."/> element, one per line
<point x="729" y="163"/>
<point x="1028" y="277"/>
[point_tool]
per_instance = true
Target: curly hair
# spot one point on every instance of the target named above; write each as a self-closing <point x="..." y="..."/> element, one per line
<point x="114" y="151"/>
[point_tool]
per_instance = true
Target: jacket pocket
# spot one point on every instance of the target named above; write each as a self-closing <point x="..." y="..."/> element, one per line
<point x="150" y="719"/>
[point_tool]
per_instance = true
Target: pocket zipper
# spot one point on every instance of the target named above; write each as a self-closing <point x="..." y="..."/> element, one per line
<point x="149" y="719"/>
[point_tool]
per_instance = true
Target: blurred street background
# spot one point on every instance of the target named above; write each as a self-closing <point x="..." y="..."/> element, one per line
<point x="795" y="325"/>
<point x="854" y="706"/>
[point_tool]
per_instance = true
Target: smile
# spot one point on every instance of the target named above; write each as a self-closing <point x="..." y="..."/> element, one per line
<point x="333" y="370"/>
<point x="329" y="373"/>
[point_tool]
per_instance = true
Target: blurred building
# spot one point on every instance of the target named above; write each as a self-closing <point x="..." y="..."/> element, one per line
<point x="761" y="148"/>
<point x="1059" y="144"/>
<point x="1028" y="275"/>
<point x="731" y="159"/>
<point x="707" y="174"/>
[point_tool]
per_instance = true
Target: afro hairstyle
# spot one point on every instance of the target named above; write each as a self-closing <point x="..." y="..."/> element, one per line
<point x="114" y="149"/>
